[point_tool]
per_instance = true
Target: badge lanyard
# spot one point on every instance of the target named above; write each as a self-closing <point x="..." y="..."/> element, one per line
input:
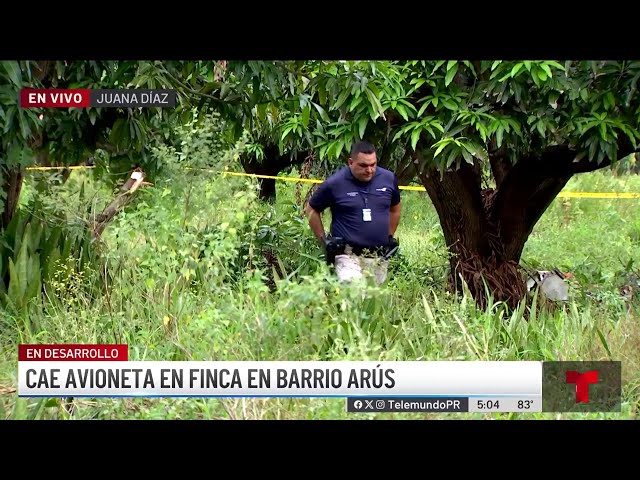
<point x="366" y="211"/>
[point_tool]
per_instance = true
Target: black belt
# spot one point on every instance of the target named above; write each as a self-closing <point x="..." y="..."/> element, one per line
<point x="359" y="250"/>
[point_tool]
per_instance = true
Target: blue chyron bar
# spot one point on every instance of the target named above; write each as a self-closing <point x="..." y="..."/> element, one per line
<point x="444" y="404"/>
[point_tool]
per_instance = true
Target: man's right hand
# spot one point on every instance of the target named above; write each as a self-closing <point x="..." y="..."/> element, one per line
<point x="332" y="247"/>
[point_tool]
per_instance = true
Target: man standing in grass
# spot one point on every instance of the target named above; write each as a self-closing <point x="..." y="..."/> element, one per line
<point x="364" y="200"/>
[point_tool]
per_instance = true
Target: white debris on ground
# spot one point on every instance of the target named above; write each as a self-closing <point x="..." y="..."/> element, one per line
<point x="551" y="282"/>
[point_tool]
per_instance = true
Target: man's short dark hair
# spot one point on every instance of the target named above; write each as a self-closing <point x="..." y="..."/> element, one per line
<point x="362" y="147"/>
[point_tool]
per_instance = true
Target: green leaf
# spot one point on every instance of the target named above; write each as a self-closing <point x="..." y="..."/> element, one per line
<point x="482" y="130"/>
<point x="341" y="99"/>
<point x="451" y="64"/>
<point x="362" y="125"/>
<point x="603" y="131"/>
<point x="535" y="77"/>
<point x="261" y="110"/>
<point x="423" y="108"/>
<point x="323" y="150"/>
<point x="453" y="155"/>
<point x="305" y="115"/>
<point x="542" y="75"/>
<point x="355" y="102"/>
<point x="516" y="68"/>
<point x="401" y="110"/>
<point x="9" y="114"/>
<point x="450" y="104"/>
<point x="415" y="136"/>
<point x="22" y="263"/>
<point x="323" y="114"/>
<point x="339" y="148"/>
<point x="499" y="133"/>
<point x="604" y="342"/>
<point x="556" y="65"/>
<point x="408" y="106"/>
<point x="450" y="74"/>
<point x="13" y="292"/>
<point x="479" y="152"/>
<point x="584" y="94"/>
<point x="14" y="72"/>
<point x="439" y="63"/>
<point x="224" y="90"/>
<point x="495" y="64"/>
<point x="24" y="128"/>
<point x="430" y="130"/>
<point x="451" y="158"/>
<point x="467" y="156"/>
<point x="322" y="94"/>
<point x="34" y="281"/>
<point x="470" y="66"/>
<point x="546" y="69"/>
<point x="441" y="147"/>
<point x="375" y="103"/>
<point x="286" y="132"/>
<point x="609" y="100"/>
<point x="516" y="126"/>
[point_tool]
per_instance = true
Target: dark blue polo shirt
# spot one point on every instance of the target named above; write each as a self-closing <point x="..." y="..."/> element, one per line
<point x="347" y="197"/>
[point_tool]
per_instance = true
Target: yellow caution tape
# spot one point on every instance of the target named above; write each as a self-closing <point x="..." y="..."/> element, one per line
<point x="402" y="187"/>
<point x="76" y="167"/>
<point x="307" y="180"/>
<point x="422" y="189"/>
<point x="286" y="179"/>
<point x="598" y="195"/>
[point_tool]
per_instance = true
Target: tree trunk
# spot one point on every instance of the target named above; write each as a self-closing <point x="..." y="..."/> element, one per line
<point x="486" y="230"/>
<point x="272" y="164"/>
<point x="10" y="185"/>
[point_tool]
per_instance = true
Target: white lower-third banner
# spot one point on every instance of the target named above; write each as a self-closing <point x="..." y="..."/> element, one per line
<point x="96" y="377"/>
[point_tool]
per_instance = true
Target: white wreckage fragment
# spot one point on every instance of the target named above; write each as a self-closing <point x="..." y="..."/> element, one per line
<point x="552" y="284"/>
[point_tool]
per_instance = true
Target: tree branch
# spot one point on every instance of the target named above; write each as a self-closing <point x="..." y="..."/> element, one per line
<point x="500" y="166"/>
<point x="585" y="165"/>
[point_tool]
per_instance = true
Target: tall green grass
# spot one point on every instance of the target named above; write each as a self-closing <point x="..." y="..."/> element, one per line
<point x="186" y="278"/>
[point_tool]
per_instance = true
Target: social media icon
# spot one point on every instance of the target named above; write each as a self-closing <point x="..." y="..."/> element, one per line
<point x="369" y="404"/>
<point x="379" y="404"/>
<point x="357" y="404"/>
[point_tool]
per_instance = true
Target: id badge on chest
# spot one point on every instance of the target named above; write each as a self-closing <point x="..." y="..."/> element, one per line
<point x="366" y="214"/>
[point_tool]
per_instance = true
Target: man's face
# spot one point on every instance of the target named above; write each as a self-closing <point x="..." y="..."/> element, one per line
<point x="363" y="166"/>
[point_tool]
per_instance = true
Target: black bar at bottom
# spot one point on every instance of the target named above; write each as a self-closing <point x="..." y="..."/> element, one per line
<point x="407" y="404"/>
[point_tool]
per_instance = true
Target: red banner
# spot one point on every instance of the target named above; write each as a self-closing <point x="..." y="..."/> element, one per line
<point x="39" y="353"/>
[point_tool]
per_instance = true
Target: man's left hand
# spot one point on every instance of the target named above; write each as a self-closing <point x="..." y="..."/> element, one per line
<point x="392" y="247"/>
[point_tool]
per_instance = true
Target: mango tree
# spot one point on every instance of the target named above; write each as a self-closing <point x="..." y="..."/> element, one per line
<point x="492" y="142"/>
